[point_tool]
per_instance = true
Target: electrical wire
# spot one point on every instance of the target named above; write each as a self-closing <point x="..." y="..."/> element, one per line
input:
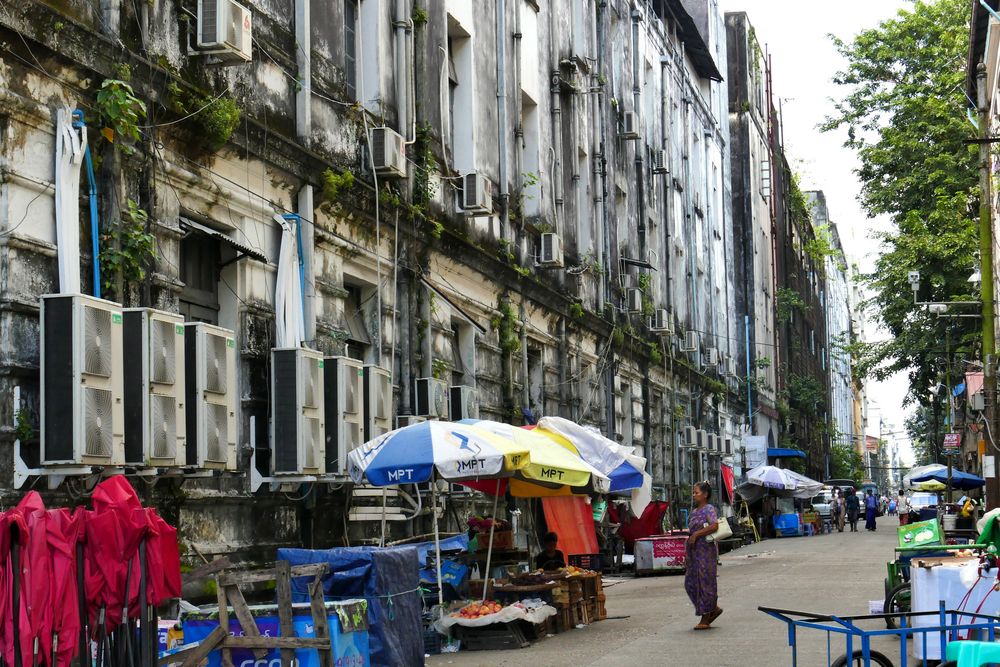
<point x="190" y="115"/>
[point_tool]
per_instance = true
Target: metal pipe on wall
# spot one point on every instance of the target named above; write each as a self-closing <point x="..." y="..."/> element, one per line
<point x="303" y="96"/>
<point x="501" y="7"/>
<point x="640" y="181"/>
<point x="600" y="121"/>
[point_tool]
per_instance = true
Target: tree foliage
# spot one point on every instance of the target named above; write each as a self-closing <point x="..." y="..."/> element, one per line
<point x="904" y="115"/>
<point x="846" y="463"/>
<point x="926" y="432"/>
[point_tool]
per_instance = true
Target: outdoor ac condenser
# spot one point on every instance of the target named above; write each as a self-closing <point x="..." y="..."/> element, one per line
<point x="82" y="411"/>
<point x="690" y="436"/>
<point x="225" y="29"/>
<point x="297" y="412"/>
<point x="477" y="193"/>
<point x="153" y="342"/>
<point x="431" y="397"/>
<point x="660" y="321"/>
<point x="210" y="396"/>
<point x="388" y="152"/>
<point x="551" y="250"/>
<point x="343" y="396"/>
<point x="378" y="401"/>
<point x="463" y="403"/>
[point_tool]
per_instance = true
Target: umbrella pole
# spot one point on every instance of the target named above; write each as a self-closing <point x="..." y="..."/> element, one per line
<point x="144" y="657"/>
<point x="81" y="595"/>
<point x="437" y="543"/>
<point x="15" y="561"/>
<point x="489" y="548"/>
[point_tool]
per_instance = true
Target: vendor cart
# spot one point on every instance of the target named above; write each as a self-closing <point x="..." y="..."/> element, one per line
<point x="897" y="580"/>
<point x="849" y="639"/>
<point x="661" y="553"/>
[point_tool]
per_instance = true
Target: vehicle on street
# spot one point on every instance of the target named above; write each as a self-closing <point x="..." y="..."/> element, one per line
<point x="821" y="503"/>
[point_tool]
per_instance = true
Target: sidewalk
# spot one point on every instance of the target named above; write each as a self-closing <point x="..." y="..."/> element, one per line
<point x="836" y="573"/>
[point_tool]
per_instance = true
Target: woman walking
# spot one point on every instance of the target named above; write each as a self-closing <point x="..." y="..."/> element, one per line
<point x="871" y="505"/>
<point x="700" y="578"/>
<point x="853" y="505"/>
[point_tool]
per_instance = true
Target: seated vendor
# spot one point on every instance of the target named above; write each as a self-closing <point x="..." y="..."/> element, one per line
<point x="550" y="558"/>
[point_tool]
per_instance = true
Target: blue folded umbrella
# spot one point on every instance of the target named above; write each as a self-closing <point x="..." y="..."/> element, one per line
<point x="959" y="480"/>
<point x="625" y="477"/>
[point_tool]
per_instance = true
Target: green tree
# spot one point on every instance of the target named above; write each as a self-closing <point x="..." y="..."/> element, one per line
<point x="904" y="114"/>
<point x="922" y="427"/>
<point x="846" y="463"/>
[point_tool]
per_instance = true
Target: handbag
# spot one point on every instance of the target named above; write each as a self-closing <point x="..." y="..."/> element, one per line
<point x="724" y="531"/>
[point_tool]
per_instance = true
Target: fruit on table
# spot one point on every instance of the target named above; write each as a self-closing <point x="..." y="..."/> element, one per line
<point x="478" y="609"/>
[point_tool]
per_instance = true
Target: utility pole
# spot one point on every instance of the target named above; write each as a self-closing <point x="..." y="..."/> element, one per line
<point x="986" y="286"/>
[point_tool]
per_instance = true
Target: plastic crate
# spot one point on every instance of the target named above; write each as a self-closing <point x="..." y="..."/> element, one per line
<point x="585" y="561"/>
<point x="432" y="641"/>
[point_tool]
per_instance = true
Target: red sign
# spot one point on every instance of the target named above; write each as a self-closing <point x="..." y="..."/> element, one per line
<point x="952" y="440"/>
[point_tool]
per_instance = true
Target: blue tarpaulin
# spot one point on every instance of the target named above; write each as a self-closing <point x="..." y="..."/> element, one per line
<point x="388" y="579"/>
<point x="782" y="453"/>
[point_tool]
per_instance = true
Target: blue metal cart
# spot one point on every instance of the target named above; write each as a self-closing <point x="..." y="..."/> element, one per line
<point x="850" y="633"/>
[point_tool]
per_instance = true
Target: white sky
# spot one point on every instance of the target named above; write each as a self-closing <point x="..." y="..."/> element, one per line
<point x="803" y="62"/>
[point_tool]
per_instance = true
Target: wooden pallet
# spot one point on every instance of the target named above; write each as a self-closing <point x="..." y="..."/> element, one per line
<point x="495" y="637"/>
<point x="231" y="599"/>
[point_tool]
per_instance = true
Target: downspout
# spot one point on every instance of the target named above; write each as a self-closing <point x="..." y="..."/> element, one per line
<point x="640" y="184"/>
<point x="95" y="231"/>
<point x="525" y="379"/>
<point x="399" y="57"/>
<point x="518" y="108"/>
<point x="557" y="145"/>
<point x="502" y="115"/>
<point x="668" y="198"/>
<point x="303" y="96"/>
<point x="563" y="363"/>
<point x="307" y="231"/>
<point x="609" y="375"/>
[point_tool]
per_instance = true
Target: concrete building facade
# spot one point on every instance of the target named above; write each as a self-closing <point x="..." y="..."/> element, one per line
<point x="605" y="123"/>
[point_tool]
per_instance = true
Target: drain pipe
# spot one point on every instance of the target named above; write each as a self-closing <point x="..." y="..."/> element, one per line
<point x="303" y="97"/>
<point x="502" y="115"/>
<point x="400" y="24"/>
<point x="95" y="231"/>
<point x="609" y="374"/>
<point x="640" y="184"/>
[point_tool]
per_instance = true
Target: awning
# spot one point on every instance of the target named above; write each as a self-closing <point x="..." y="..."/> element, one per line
<point x="782" y="453"/>
<point x="241" y="250"/>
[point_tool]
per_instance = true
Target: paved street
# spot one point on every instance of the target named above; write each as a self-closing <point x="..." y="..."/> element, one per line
<point x="828" y="573"/>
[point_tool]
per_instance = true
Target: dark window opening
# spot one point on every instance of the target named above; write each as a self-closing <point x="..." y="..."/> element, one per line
<point x="200" y="255"/>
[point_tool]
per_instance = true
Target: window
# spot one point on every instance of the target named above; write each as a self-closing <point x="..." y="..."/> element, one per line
<point x="461" y="95"/>
<point x="358" y="341"/>
<point x="351" y="48"/>
<point x="199" y="268"/>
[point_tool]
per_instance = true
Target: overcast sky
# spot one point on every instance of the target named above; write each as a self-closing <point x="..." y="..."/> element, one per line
<point x="803" y="61"/>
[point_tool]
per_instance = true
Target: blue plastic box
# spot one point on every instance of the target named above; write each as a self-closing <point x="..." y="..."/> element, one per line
<point x="350" y="649"/>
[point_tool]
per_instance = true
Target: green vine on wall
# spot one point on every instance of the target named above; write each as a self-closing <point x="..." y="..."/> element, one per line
<point x="120" y="112"/>
<point x="788" y="301"/>
<point x="506" y="325"/>
<point x="126" y="249"/>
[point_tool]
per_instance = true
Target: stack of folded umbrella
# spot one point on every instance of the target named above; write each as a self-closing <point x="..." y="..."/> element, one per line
<point x="74" y="580"/>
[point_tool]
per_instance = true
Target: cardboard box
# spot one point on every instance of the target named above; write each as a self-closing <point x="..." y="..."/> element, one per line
<point x="919" y="533"/>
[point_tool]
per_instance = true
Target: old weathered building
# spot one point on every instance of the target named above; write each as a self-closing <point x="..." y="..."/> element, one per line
<point x="603" y="123"/>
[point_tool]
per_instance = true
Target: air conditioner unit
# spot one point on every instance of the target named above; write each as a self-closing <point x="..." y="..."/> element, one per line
<point x="690" y="436"/>
<point x="463" y="403"/>
<point x="661" y="162"/>
<point x="730" y="366"/>
<point x="378" y="401"/>
<point x="630" y="126"/>
<point x="402" y="421"/>
<point x="343" y="394"/>
<point x="701" y="439"/>
<point x="633" y="300"/>
<point x="388" y="153"/>
<point x="714" y="443"/>
<point x="977" y="401"/>
<point x="660" y="321"/>
<point x="711" y="357"/>
<point x="691" y="342"/>
<point x="153" y="342"/>
<point x="210" y="395"/>
<point x="225" y="29"/>
<point x="431" y="397"/>
<point x="477" y="193"/>
<point x="728" y="444"/>
<point x="297" y="412"/>
<point x="552" y="251"/>
<point x="82" y="420"/>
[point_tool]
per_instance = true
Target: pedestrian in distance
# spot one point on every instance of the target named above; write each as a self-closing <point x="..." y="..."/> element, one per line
<point x="853" y="506"/>
<point x="871" y="507"/>
<point x="701" y="574"/>
<point x="837" y="510"/>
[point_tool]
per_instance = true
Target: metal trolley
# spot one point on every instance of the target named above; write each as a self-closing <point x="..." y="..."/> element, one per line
<point x="858" y="651"/>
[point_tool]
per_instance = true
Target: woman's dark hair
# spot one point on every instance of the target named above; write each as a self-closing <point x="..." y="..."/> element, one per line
<point x="705" y="488"/>
<point x="550" y="538"/>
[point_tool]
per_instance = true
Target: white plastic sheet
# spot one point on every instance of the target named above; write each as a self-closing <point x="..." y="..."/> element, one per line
<point x="70" y="145"/>
<point x="505" y="615"/>
<point x="289" y="320"/>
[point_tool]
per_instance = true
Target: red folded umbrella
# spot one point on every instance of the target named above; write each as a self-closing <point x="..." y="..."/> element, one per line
<point x="64" y="529"/>
<point x="163" y="560"/>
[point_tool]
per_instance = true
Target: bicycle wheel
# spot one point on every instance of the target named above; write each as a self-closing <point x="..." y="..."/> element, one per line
<point x="858" y="660"/>
<point x="897" y="602"/>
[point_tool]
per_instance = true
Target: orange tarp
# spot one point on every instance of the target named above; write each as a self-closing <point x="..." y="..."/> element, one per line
<point x="573" y="520"/>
